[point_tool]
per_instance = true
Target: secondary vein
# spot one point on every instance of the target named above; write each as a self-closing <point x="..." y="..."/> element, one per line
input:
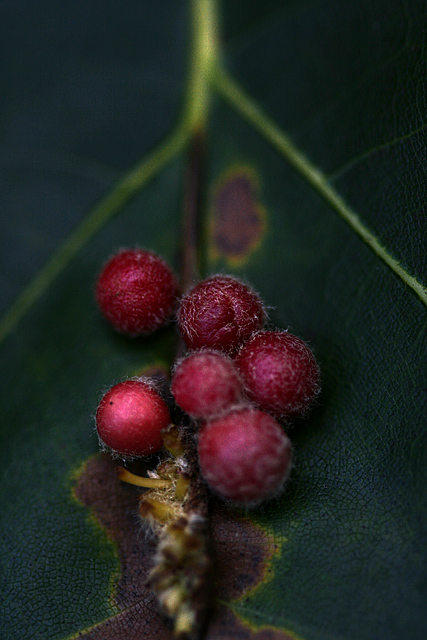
<point x="244" y="104"/>
<point x="204" y="54"/>
<point x="121" y="193"/>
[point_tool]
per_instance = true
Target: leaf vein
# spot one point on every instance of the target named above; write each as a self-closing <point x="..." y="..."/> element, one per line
<point x="350" y="164"/>
<point x="229" y="89"/>
<point x="112" y="202"/>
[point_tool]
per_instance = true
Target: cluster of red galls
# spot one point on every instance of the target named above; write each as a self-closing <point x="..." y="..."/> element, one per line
<point x="241" y="384"/>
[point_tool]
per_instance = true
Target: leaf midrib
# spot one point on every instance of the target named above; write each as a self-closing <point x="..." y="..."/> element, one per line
<point x="207" y="75"/>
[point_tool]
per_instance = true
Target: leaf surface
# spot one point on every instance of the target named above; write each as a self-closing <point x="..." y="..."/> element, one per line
<point x="315" y="194"/>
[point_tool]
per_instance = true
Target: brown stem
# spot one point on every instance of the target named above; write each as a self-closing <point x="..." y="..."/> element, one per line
<point x="197" y="500"/>
<point x="190" y="255"/>
<point x="190" y="239"/>
<point x="177" y="501"/>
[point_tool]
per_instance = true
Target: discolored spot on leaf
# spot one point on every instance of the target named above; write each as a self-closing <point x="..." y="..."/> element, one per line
<point x="227" y="625"/>
<point x="237" y="223"/>
<point x="242" y="554"/>
<point x="157" y="371"/>
<point x="115" y="506"/>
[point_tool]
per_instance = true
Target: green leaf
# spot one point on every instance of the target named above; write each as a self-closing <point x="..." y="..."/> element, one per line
<point x="315" y="120"/>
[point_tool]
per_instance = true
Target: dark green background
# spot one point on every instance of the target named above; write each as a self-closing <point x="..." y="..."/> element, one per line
<point x="86" y="92"/>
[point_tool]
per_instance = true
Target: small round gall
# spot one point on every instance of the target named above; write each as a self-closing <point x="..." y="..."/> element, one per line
<point x="280" y="373"/>
<point x="219" y="313"/>
<point x="245" y="456"/>
<point x="130" y="418"/>
<point x="206" y="383"/>
<point x="136" y="292"/>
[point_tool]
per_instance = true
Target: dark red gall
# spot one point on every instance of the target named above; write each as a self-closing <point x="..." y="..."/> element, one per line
<point x="205" y="383"/>
<point x="280" y="373"/>
<point x="219" y="313"/>
<point x="130" y="418"/>
<point x="245" y="456"/>
<point x="136" y="292"/>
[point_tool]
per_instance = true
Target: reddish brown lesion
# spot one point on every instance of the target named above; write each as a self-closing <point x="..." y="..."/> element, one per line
<point x="175" y="506"/>
<point x="237" y="219"/>
<point x="242" y="554"/>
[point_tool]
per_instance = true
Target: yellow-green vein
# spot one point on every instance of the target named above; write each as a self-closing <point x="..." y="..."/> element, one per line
<point x="204" y="55"/>
<point x="121" y="193"/>
<point x="250" y="110"/>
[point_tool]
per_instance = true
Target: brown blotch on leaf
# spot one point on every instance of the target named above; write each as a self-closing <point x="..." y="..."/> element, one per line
<point x="237" y="218"/>
<point x="242" y="554"/>
<point x="115" y="506"/>
<point x="226" y="626"/>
